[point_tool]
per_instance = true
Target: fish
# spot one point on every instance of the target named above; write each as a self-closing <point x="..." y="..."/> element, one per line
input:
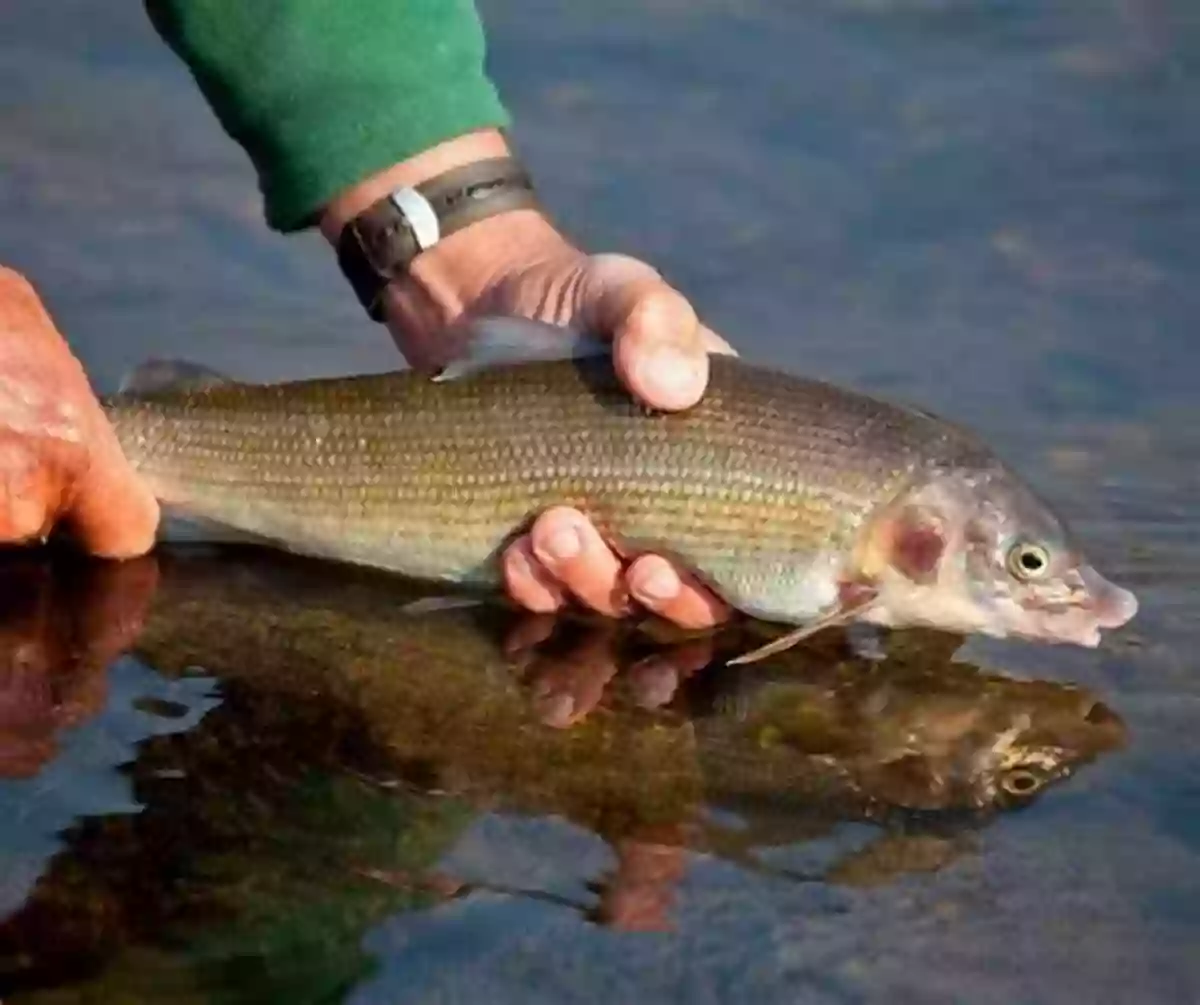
<point x="797" y="501"/>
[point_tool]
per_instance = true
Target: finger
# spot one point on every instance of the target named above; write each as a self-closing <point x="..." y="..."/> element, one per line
<point x="659" y="349"/>
<point x="113" y="513"/>
<point x="115" y="604"/>
<point x="656" y="678"/>
<point x="571" y="549"/>
<point x="659" y="353"/>
<point x="568" y="688"/>
<point x="27" y="491"/>
<point x="528" y="582"/>
<point x="529" y="632"/>
<point x="640" y="895"/>
<point x="673" y="594"/>
<point x="689" y="657"/>
<point x="653" y="682"/>
<point x="31" y="672"/>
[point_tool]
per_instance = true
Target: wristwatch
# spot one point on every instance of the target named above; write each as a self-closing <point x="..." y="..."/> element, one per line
<point x="380" y="243"/>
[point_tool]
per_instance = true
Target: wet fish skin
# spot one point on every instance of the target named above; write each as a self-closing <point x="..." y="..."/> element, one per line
<point x="774" y="489"/>
<point x="766" y="475"/>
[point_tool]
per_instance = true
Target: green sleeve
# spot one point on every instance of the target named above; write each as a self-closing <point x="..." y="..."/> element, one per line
<point x="323" y="93"/>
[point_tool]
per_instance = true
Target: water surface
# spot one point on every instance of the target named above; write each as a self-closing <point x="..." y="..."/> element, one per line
<point x="989" y="207"/>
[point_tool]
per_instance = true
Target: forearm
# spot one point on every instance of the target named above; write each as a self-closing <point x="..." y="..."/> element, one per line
<point x="323" y="94"/>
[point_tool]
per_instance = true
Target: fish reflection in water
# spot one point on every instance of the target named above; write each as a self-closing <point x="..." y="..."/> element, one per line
<point x="413" y="724"/>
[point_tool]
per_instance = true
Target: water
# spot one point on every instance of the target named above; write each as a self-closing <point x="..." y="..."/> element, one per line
<point x="990" y="207"/>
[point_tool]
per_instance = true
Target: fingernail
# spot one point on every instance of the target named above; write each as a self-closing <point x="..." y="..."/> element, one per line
<point x="564" y="544"/>
<point x="521" y="564"/>
<point x="558" y="710"/>
<point x="655" y="682"/>
<point x="660" y="584"/>
<point x="25" y="520"/>
<point x="670" y="376"/>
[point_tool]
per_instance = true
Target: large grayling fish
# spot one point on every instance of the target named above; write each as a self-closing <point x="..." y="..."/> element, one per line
<point x="795" y="500"/>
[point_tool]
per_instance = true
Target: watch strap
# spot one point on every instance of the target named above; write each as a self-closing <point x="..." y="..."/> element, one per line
<point x="379" y="244"/>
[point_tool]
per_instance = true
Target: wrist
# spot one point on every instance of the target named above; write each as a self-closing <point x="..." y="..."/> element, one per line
<point x="445" y="280"/>
<point x="457" y="152"/>
<point x="470" y="273"/>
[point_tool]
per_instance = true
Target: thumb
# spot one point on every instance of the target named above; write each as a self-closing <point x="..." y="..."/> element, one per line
<point x="113" y="513"/>
<point x="660" y="348"/>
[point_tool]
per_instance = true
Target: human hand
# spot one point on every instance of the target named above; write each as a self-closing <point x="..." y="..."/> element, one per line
<point x="518" y="264"/>
<point x="59" y="457"/>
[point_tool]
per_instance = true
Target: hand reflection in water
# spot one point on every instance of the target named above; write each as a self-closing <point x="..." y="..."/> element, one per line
<point x="568" y="684"/>
<point x="58" y="635"/>
<point x="639" y="894"/>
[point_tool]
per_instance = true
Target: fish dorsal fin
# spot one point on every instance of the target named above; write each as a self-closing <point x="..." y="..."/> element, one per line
<point x="157" y="376"/>
<point x="496" y="340"/>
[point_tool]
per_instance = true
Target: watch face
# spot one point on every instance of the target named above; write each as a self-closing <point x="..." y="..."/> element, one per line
<point x="421" y="217"/>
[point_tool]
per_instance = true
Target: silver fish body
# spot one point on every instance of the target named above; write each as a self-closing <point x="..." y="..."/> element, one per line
<point x="773" y="489"/>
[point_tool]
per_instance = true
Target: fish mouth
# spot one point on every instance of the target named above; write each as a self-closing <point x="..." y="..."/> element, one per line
<point x="1105" y="607"/>
<point x="1096" y="607"/>
<point x="1110" y="605"/>
<point x="1099" y="714"/>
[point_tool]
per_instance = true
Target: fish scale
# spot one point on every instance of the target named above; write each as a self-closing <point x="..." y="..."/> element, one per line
<point x="759" y="487"/>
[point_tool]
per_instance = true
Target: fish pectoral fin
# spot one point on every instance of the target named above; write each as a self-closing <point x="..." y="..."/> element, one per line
<point x="787" y="641"/>
<point x="843" y="613"/>
<point x="155" y="376"/>
<point x="431" y="605"/>
<point x="495" y="340"/>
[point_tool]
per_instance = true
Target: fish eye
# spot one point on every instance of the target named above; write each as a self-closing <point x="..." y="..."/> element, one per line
<point x="1021" y="782"/>
<point x="1027" y="560"/>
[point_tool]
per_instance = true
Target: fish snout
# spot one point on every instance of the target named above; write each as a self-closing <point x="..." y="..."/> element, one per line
<point x="1111" y="605"/>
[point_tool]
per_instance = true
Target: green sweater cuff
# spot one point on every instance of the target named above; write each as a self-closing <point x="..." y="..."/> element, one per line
<point x="323" y="93"/>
